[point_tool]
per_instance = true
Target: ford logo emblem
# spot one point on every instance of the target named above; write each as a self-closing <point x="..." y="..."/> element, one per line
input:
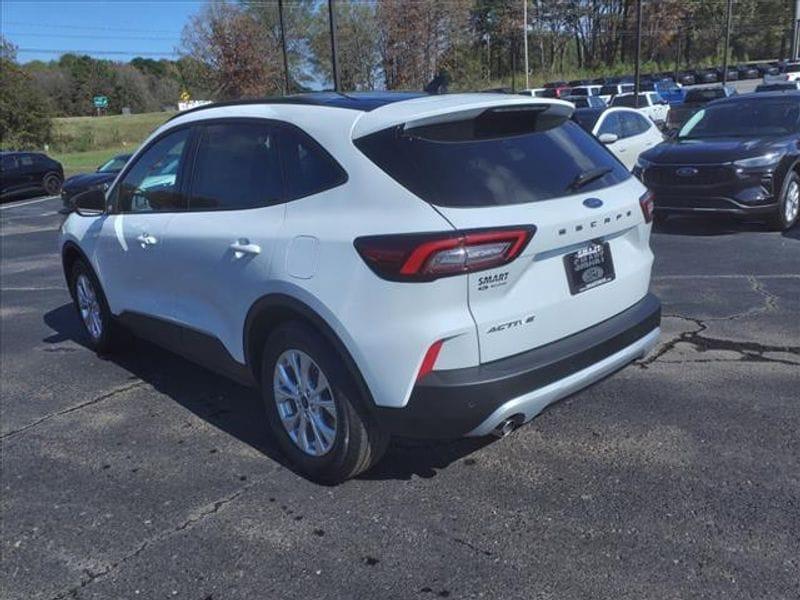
<point x="686" y="171"/>
<point x="593" y="203"/>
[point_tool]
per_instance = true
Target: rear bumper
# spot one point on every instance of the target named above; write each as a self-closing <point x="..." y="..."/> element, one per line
<point x="474" y="400"/>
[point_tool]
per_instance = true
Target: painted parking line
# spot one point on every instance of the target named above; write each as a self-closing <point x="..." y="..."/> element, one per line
<point x="27" y="202"/>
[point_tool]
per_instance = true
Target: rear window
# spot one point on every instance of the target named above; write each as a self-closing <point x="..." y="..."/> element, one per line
<point x="609" y="90"/>
<point x="492" y="172"/>
<point x="629" y="101"/>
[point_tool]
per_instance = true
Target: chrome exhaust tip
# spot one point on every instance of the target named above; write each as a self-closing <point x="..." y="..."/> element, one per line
<point x="506" y="427"/>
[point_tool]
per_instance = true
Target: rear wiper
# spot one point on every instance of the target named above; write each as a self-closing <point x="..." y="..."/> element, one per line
<point x="581" y="179"/>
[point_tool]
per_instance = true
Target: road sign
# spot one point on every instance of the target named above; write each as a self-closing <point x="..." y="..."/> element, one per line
<point x="100" y="101"/>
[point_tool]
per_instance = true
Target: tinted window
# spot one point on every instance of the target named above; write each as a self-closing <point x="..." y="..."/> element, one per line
<point x="26" y="160"/>
<point x="579" y="92"/>
<point x="115" y="164"/>
<point x="753" y="118"/>
<point x="795" y="68"/>
<point x="629" y="101"/>
<point x="586" y="118"/>
<point x="611" y="124"/>
<point x="153" y="183"/>
<point x="492" y="172"/>
<point x="8" y="163"/>
<point x="309" y="169"/>
<point x="633" y="124"/>
<point x="236" y="167"/>
<point x="609" y="90"/>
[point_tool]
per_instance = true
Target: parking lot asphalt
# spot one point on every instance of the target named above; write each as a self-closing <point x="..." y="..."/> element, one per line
<point x="144" y="476"/>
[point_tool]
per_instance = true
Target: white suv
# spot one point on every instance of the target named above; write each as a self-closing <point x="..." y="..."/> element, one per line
<point x="379" y="264"/>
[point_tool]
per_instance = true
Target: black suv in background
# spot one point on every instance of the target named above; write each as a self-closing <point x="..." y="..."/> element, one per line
<point x="739" y="156"/>
<point x="29" y="173"/>
<point x="101" y="179"/>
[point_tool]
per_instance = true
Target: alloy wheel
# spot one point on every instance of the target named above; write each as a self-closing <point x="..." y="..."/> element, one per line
<point x="305" y="404"/>
<point x="89" y="306"/>
<point x="791" y="205"/>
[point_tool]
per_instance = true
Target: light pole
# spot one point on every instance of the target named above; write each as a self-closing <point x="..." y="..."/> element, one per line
<point x="727" y="42"/>
<point x="796" y="31"/>
<point x="638" y="53"/>
<point x="334" y="66"/>
<point x="525" y="38"/>
<point x="283" y="47"/>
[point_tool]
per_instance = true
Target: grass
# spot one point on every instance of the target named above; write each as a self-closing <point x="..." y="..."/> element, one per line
<point x="84" y="162"/>
<point x="81" y="144"/>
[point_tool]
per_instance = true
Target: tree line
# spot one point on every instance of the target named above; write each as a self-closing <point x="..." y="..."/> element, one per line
<point x="233" y="49"/>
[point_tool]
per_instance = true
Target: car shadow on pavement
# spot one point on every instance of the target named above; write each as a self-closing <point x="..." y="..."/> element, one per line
<point x="238" y="411"/>
<point x="708" y="226"/>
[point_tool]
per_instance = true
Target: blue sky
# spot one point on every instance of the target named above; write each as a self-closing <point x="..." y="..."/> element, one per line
<point x="112" y="29"/>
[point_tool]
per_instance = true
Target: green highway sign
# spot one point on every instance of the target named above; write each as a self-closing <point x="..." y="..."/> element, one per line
<point x="100" y="101"/>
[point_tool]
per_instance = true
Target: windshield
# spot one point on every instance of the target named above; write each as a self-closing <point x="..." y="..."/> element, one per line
<point x="494" y="172"/>
<point x="752" y="118"/>
<point x="115" y="164"/>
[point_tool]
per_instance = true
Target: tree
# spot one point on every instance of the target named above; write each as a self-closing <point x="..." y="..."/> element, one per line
<point x="356" y="45"/>
<point x="417" y="38"/>
<point x="235" y="50"/>
<point x="24" y="121"/>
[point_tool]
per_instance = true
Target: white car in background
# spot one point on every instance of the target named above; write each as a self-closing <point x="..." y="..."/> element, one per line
<point x="625" y="132"/>
<point x="535" y="92"/>
<point x="650" y="104"/>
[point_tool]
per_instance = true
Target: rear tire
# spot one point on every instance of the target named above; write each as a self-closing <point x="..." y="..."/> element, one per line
<point x="52" y="184"/>
<point x="103" y="333"/>
<point x="319" y="417"/>
<point x="786" y="213"/>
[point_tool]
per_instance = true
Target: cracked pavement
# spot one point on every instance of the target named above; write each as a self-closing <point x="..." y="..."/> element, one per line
<point x="144" y="476"/>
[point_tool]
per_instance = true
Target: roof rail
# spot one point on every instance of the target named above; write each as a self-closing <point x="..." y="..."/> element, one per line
<point x="364" y="101"/>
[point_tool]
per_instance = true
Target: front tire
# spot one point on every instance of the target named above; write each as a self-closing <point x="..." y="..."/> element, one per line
<point x="90" y="302"/>
<point x="788" y="207"/>
<point x="314" y="408"/>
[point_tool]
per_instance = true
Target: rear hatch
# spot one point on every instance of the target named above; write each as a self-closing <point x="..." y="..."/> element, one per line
<point x="527" y="164"/>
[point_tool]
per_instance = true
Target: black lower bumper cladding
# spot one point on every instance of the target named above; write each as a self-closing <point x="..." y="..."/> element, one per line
<point x="448" y="404"/>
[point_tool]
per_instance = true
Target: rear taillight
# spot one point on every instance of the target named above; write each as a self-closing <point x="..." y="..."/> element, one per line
<point x="648" y="204"/>
<point x="429" y="256"/>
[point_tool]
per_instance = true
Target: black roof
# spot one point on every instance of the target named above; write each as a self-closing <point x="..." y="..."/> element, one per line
<point x="759" y="97"/>
<point x="364" y="101"/>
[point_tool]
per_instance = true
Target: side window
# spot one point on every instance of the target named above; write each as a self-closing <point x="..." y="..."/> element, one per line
<point x="611" y="124"/>
<point x="643" y="123"/>
<point x="236" y="167"/>
<point x="309" y="169"/>
<point x="8" y="163"/>
<point x="153" y="183"/>
<point x="26" y="160"/>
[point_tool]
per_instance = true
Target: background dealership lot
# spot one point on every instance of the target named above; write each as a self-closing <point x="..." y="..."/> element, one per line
<point x="146" y="476"/>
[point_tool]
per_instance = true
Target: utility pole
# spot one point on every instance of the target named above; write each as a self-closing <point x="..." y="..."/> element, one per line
<point x="796" y="31"/>
<point x="638" y="53"/>
<point x="286" y="87"/>
<point x="334" y="66"/>
<point x="525" y="38"/>
<point x="513" y="66"/>
<point x="727" y="42"/>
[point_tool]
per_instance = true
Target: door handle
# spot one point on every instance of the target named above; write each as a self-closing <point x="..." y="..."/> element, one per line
<point x="146" y="239"/>
<point x="243" y="246"/>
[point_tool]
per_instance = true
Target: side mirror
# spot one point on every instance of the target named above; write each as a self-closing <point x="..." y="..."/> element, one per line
<point x="90" y="203"/>
<point x="608" y="138"/>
